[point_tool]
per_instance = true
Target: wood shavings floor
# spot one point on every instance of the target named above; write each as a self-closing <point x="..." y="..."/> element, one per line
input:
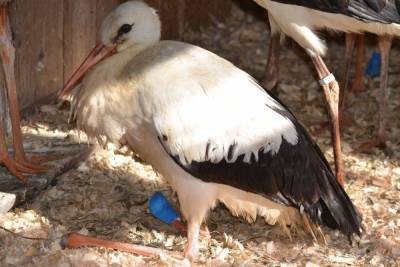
<point x="107" y="195"/>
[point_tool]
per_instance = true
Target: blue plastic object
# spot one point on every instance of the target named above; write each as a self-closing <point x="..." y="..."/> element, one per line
<point x="374" y="65"/>
<point x="161" y="209"/>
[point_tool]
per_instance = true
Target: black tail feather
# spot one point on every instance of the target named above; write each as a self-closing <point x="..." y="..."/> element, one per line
<point x="334" y="208"/>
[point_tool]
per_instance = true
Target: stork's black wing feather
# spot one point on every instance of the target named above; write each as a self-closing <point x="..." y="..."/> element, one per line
<point x="335" y="6"/>
<point x="375" y="10"/>
<point x="383" y="11"/>
<point x="297" y="175"/>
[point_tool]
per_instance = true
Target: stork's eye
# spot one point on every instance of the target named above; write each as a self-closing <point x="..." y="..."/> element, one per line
<point x="124" y="29"/>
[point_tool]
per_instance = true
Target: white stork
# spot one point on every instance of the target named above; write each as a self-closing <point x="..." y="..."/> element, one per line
<point x="206" y="126"/>
<point x="299" y="19"/>
<point x="19" y="163"/>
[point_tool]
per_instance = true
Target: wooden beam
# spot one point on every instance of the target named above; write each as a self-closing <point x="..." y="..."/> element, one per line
<point x="4" y="111"/>
<point x="79" y="32"/>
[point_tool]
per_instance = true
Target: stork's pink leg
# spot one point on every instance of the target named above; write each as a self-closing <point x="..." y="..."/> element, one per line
<point x="7" y="53"/>
<point x="358" y="83"/>
<point x="271" y="73"/>
<point x="192" y="245"/>
<point x="343" y="120"/>
<point x="385" y="43"/>
<point x="331" y="93"/>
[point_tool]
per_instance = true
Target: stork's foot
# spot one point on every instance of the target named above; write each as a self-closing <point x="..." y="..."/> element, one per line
<point x="15" y="168"/>
<point x="368" y="146"/>
<point x="35" y="163"/>
<point x="204" y="231"/>
<point x="44" y="159"/>
<point x="191" y="251"/>
<point x="32" y="166"/>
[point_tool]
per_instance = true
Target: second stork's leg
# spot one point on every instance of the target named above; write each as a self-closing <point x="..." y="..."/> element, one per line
<point x="350" y="38"/>
<point x="358" y="83"/>
<point x="331" y="94"/>
<point x="385" y="43"/>
<point x="271" y="73"/>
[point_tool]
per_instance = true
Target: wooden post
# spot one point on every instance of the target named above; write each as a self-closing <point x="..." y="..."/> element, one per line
<point x="4" y="111"/>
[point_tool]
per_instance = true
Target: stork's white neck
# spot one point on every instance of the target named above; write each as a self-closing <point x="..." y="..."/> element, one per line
<point x="126" y="54"/>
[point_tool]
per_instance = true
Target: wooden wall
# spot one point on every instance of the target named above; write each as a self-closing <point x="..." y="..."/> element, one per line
<point x="53" y="36"/>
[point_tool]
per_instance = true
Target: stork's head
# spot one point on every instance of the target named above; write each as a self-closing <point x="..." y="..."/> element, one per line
<point x="132" y="23"/>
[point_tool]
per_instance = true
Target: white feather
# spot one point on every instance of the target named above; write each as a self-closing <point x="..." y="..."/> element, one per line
<point x="220" y="105"/>
<point x="300" y="22"/>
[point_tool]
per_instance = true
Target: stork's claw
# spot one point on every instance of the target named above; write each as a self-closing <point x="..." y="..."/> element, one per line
<point x="44" y="159"/>
<point x="15" y="168"/>
<point x="34" y="163"/>
<point x="32" y="167"/>
<point x="191" y="250"/>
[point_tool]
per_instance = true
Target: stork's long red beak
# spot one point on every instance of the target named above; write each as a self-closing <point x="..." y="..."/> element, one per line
<point x="98" y="53"/>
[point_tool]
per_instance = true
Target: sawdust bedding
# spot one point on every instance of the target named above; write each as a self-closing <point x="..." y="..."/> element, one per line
<point x="106" y="196"/>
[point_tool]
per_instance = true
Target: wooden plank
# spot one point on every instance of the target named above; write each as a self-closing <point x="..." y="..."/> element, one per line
<point x="79" y="32"/>
<point x="199" y="12"/>
<point x="82" y="21"/>
<point x="4" y="118"/>
<point x="172" y="17"/>
<point x="103" y="8"/>
<point x="196" y="13"/>
<point x="219" y="9"/>
<point x="37" y="27"/>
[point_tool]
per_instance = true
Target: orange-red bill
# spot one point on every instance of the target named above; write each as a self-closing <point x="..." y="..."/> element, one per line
<point x="98" y="53"/>
<point x="75" y="240"/>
